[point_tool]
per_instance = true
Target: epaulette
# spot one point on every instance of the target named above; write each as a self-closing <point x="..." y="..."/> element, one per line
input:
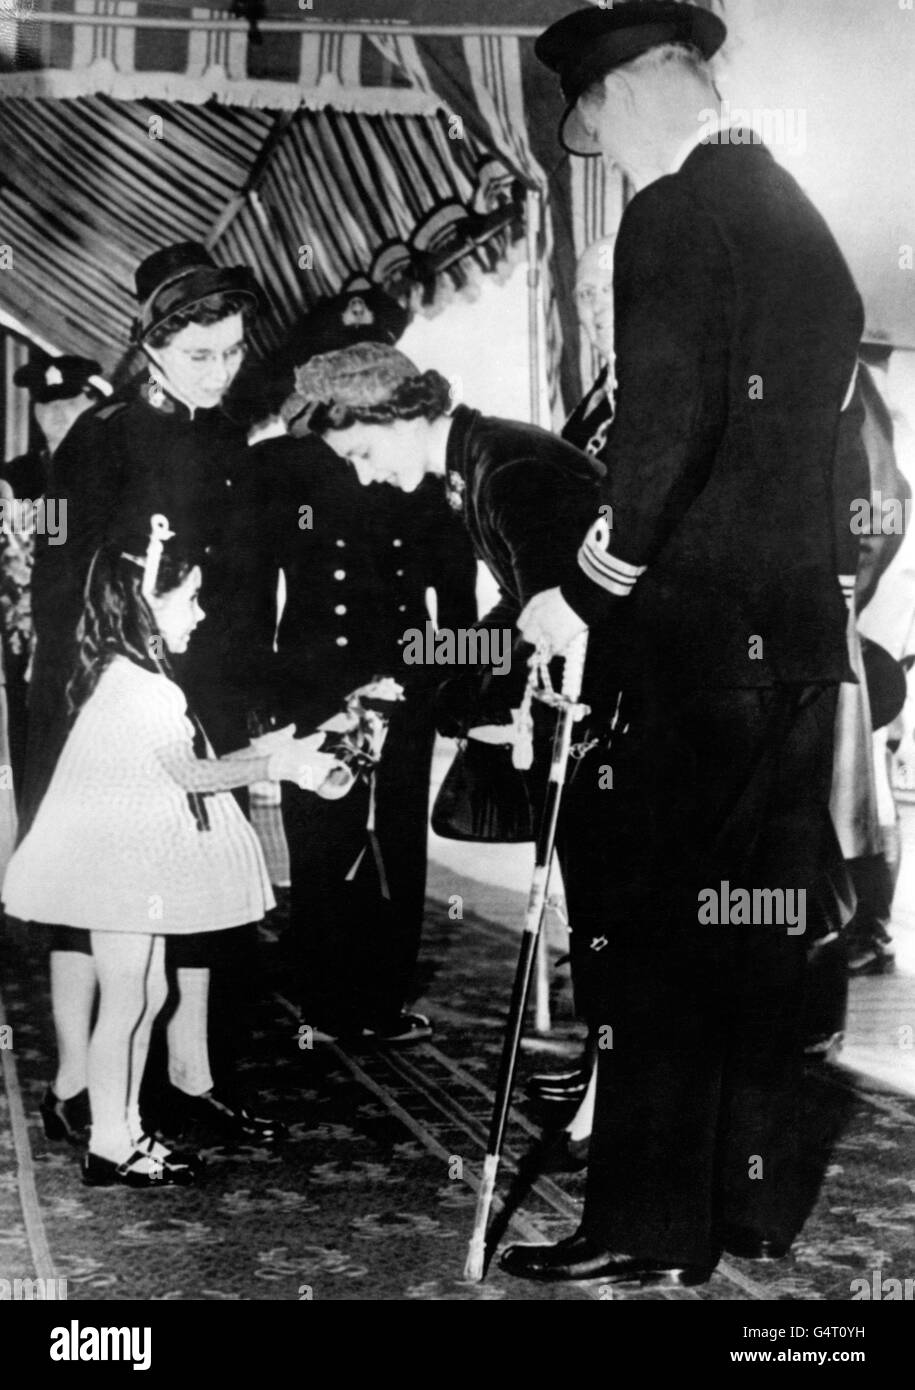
<point x="108" y="412"/>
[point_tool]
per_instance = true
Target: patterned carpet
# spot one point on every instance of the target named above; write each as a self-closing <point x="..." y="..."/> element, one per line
<point x="370" y="1198"/>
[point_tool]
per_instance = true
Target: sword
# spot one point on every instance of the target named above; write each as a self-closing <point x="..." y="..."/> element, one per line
<point x="570" y="711"/>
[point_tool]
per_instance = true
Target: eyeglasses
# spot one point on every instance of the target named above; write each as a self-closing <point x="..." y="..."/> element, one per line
<point x="201" y="361"/>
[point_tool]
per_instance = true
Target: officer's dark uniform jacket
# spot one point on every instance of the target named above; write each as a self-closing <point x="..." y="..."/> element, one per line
<point x="733" y="360"/>
<point x="122" y="462"/>
<point x="737" y="326"/>
<point x="357" y="563"/>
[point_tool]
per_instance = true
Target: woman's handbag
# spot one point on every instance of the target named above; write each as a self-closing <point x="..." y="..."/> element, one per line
<point x="484" y="797"/>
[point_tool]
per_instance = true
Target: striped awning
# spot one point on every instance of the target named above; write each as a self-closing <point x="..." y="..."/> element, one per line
<point x="92" y="185"/>
<point x="338" y="129"/>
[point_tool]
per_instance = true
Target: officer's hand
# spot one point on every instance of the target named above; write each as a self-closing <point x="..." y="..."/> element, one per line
<point x="549" y="623"/>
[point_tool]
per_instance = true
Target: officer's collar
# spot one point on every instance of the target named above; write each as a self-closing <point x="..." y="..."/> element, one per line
<point x="163" y="403"/>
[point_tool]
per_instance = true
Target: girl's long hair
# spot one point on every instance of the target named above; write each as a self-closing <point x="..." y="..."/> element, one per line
<point x="117" y="621"/>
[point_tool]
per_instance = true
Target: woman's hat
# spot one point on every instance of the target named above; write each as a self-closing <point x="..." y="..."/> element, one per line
<point x="583" y="47"/>
<point x="58" y="378"/>
<point x="355" y="378"/>
<point x="178" y="277"/>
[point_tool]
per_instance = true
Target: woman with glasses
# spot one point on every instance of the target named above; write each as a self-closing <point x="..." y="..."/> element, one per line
<point x="164" y="446"/>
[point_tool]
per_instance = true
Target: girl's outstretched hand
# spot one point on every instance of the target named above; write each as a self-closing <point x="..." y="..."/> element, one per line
<point x="265" y="744"/>
<point x="300" y="760"/>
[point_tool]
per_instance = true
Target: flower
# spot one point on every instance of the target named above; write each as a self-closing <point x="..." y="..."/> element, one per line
<point x="455" y="491"/>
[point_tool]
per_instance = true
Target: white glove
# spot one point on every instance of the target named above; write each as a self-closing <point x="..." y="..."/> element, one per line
<point x="298" y="760"/>
<point x="505" y="734"/>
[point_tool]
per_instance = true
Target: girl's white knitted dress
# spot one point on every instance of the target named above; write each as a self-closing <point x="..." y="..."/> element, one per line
<point x="115" y="845"/>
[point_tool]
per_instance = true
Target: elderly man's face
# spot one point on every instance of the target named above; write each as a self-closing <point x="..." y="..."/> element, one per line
<point x="594" y="296"/>
<point x="611" y="118"/>
<point x="625" y="116"/>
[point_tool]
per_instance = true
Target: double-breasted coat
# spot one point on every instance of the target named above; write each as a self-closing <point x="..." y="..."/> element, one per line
<point x="357" y="565"/>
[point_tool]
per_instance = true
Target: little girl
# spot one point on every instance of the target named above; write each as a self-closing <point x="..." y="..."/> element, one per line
<point x="138" y="838"/>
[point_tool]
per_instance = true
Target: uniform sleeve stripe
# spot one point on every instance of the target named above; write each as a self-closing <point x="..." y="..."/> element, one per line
<point x="609" y="566"/>
<point x="600" y="574"/>
<point x="612" y="565"/>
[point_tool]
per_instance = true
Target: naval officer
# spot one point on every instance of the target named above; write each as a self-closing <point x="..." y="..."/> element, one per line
<point x="736" y="330"/>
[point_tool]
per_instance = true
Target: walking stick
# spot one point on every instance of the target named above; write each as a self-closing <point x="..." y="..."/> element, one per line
<point x="570" y="711"/>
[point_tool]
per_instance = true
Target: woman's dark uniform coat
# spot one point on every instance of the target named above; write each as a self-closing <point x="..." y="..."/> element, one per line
<point x="357" y="563"/>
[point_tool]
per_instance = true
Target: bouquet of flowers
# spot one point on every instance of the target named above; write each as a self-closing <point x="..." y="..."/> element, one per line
<point x="356" y="737"/>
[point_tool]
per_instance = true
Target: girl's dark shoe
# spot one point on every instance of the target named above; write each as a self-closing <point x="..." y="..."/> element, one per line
<point x="150" y="1165"/>
<point x="66" y="1121"/>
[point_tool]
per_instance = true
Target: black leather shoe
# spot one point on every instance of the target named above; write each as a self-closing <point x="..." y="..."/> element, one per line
<point x="66" y="1121"/>
<point x="401" y="1031"/>
<point x="150" y="1165"/>
<point x="747" y="1245"/>
<point x="231" y="1122"/>
<point x="559" y="1088"/>
<point x="580" y="1258"/>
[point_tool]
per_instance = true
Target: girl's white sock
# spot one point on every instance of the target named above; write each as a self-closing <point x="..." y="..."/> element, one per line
<point x="73" y="985"/>
<point x="188" y="1056"/>
<point x="132" y="983"/>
